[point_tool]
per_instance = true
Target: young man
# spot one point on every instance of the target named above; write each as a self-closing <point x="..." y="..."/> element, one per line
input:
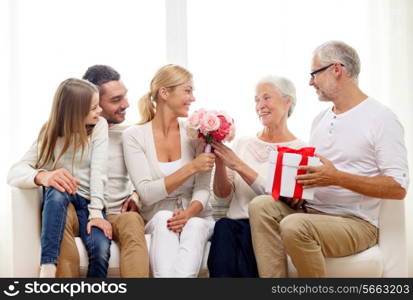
<point x="120" y="201"/>
<point x="361" y="146"/>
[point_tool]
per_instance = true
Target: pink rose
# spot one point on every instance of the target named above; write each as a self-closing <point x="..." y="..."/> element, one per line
<point x="195" y="118"/>
<point x="193" y="121"/>
<point x="209" y="122"/>
<point x="222" y="131"/>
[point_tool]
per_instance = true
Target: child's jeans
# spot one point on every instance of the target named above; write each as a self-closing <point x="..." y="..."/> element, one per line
<point x="53" y="224"/>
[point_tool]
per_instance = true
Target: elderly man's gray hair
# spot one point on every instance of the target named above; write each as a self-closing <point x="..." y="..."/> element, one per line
<point x="337" y="51"/>
<point x="284" y="87"/>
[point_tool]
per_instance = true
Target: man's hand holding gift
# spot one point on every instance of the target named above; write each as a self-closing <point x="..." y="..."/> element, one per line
<point x="316" y="176"/>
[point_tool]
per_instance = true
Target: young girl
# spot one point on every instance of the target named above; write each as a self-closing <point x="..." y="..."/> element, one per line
<point x="74" y="143"/>
<point x="171" y="177"/>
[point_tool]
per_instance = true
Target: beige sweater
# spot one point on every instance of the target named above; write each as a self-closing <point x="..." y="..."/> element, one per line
<point x="148" y="179"/>
<point x="118" y="187"/>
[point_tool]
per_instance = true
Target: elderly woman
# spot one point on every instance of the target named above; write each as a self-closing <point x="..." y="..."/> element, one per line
<point x="239" y="177"/>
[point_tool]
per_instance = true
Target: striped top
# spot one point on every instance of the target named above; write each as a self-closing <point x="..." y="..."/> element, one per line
<point x="90" y="168"/>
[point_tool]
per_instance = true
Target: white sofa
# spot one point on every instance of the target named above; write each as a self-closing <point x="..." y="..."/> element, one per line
<point x="387" y="259"/>
<point x="26" y="223"/>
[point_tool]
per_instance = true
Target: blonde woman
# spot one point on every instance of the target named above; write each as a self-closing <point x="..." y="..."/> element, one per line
<point x="73" y="146"/>
<point x="171" y="176"/>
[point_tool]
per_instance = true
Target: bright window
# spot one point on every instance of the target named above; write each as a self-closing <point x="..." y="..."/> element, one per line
<point x="232" y="44"/>
<point x="55" y="40"/>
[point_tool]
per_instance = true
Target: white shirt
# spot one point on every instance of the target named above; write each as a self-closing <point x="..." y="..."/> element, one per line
<point x="367" y="140"/>
<point x="255" y="153"/>
<point x="171" y="167"/>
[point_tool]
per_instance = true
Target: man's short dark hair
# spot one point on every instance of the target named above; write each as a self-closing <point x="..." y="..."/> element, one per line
<point x="100" y="74"/>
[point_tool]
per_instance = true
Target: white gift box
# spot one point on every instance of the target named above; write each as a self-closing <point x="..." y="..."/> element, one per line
<point x="290" y="165"/>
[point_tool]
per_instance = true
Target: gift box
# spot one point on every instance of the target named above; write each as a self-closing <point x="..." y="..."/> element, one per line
<point x="283" y="169"/>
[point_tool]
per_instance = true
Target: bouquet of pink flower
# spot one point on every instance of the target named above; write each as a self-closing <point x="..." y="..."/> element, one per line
<point x="210" y="125"/>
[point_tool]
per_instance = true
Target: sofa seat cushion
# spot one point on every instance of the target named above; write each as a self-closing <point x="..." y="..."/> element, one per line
<point x="114" y="260"/>
<point x="368" y="263"/>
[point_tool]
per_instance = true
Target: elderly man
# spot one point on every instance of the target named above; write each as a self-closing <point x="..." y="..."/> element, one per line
<point x="120" y="202"/>
<point x="361" y="146"/>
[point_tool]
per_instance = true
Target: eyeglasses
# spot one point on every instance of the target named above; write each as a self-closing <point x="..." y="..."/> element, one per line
<point x="322" y="69"/>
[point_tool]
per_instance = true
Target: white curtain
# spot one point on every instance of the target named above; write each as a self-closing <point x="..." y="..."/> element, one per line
<point x="391" y="37"/>
<point x="5" y="218"/>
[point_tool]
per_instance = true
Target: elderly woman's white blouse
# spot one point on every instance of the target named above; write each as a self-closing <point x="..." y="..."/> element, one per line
<point x="255" y="153"/>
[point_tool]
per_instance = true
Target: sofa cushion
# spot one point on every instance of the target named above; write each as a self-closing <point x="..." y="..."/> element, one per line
<point x="114" y="261"/>
<point x="368" y="263"/>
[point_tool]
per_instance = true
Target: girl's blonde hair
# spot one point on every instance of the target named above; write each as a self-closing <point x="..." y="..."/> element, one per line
<point x="71" y="105"/>
<point x="169" y="76"/>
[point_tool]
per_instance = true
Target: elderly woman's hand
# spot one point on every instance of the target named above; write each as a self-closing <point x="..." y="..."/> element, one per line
<point x="227" y="156"/>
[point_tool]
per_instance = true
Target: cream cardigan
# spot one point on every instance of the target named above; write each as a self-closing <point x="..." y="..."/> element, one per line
<point x="148" y="179"/>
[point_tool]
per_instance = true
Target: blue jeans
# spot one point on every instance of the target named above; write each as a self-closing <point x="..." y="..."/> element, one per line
<point x="231" y="253"/>
<point x="53" y="224"/>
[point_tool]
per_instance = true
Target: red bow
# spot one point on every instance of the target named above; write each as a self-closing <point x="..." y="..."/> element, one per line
<point x="305" y="153"/>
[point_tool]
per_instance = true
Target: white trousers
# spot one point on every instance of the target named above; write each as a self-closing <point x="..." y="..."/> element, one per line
<point x="177" y="254"/>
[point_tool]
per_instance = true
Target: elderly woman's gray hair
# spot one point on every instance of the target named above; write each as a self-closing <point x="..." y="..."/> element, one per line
<point x="284" y="87"/>
<point x="337" y="51"/>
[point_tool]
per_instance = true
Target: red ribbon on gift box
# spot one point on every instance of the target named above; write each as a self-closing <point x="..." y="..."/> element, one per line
<point x="305" y="153"/>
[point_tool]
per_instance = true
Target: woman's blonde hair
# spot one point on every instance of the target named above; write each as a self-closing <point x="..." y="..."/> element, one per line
<point x="169" y="76"/>
<point x="71" y="105"/>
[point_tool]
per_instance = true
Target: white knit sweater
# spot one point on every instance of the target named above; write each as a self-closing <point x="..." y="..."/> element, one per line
<point x="149" y="180"/>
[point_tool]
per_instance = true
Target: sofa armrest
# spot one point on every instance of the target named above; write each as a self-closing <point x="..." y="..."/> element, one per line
<point x="392" y="238"/>
<point x="26" y="224"/>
